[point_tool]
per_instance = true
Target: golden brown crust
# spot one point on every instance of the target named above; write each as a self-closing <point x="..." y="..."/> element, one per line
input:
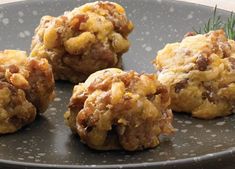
<point x="41" y="81"/>
<point x="198" y="70"/>
<point x="15" y="110"/>
<point x="26" y="87"/>
<point x="115" y="109"/>
<point x="84" y="40"/>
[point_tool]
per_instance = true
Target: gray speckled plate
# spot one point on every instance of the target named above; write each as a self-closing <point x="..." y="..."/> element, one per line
<point x="48" y="143"/>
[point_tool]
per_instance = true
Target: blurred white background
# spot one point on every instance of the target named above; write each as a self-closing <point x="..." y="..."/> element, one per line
<point x="223" y="4"/>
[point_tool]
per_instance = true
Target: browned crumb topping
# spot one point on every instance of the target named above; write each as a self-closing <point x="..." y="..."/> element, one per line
<point x="84" y="40"/>
<point x="200" y="72"/>
<point x="26" y="87"/>
<point x="114" y="109"/>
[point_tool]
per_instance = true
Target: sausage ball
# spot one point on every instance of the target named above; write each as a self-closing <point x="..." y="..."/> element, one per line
<point x="115" y="109"/>
<point x="26" y="88"/>
<point x="84" y="40"/>
<point x="200" y="71"/>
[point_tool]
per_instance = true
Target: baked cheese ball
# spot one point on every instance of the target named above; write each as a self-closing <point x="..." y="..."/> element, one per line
<point x="200" y="71"/>
<point x="26" y="88"/>
<point x="89" y="38"/>
<point x="115" y="109"/>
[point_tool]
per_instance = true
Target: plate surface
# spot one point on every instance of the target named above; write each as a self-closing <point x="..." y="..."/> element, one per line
<point x="48" y="143"/>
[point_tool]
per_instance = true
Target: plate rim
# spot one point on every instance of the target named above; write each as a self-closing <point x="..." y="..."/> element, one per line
<point x="190" y="160"/>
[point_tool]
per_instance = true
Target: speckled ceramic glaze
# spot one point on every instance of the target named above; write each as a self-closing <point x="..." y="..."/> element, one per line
<point x="48" y="143"/>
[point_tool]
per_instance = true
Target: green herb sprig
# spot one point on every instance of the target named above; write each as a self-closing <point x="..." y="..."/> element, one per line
<point x="215" y="22"/>
<point x="229" y="27"/>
